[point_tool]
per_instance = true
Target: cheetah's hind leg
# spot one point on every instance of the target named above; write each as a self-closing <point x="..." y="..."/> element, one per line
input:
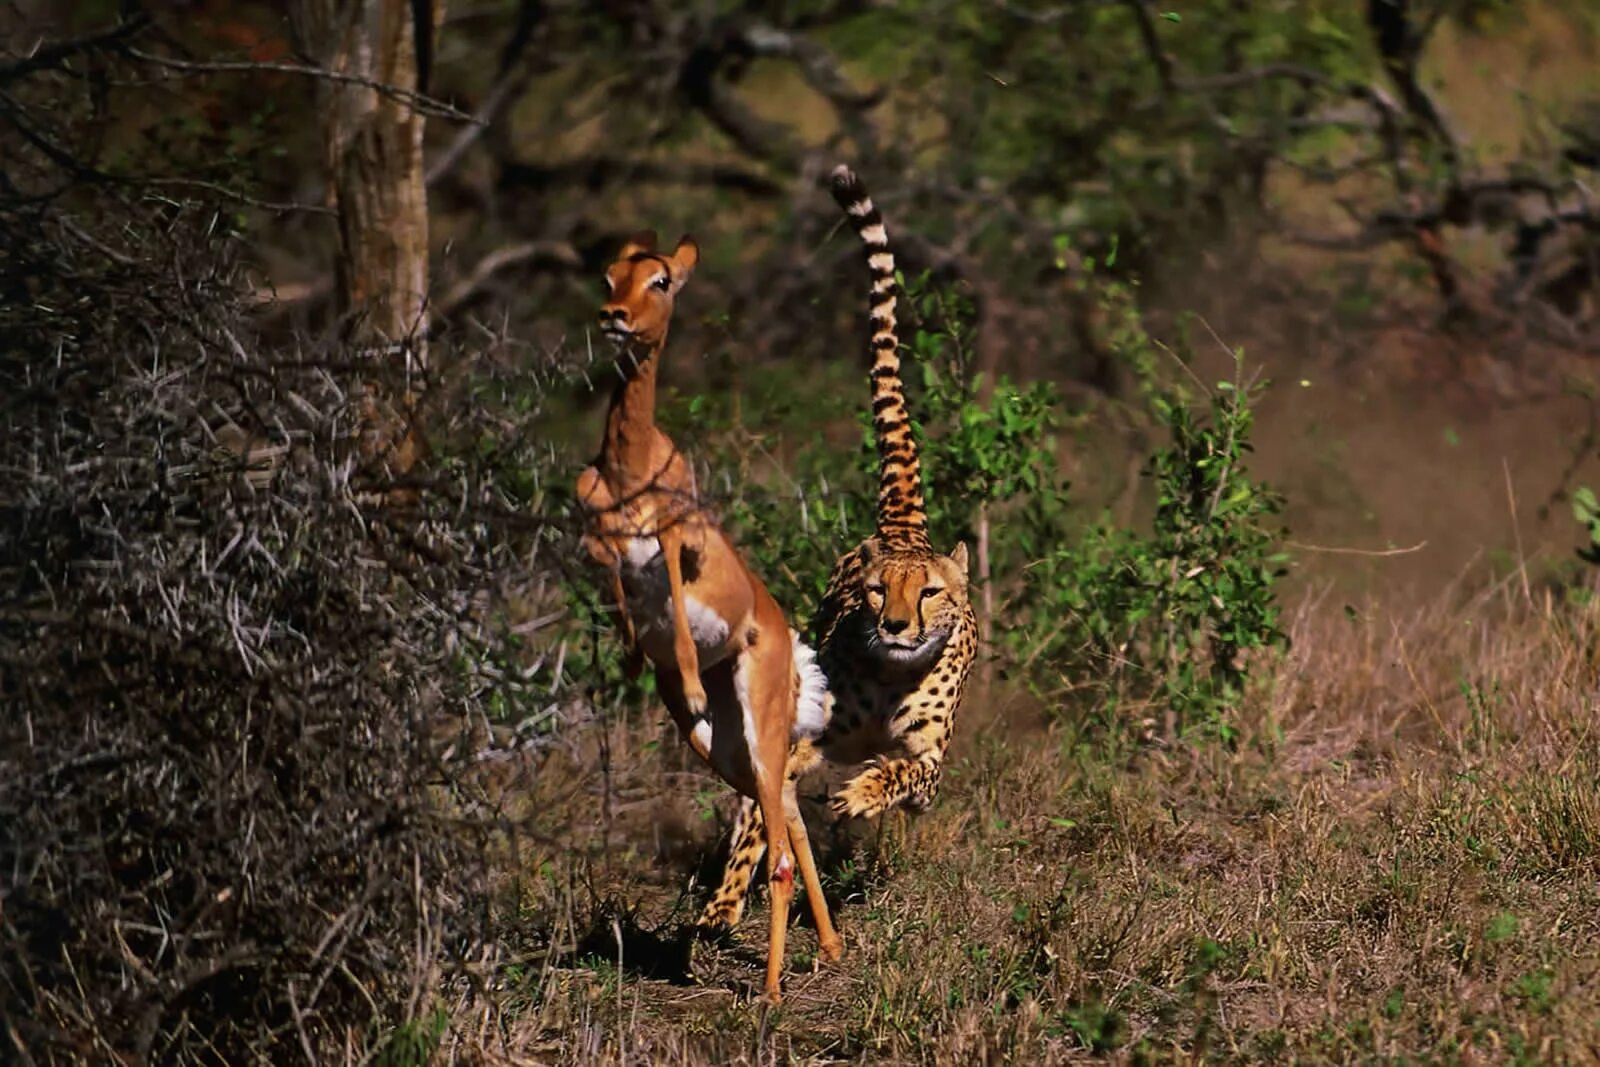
<point x="747" y="844"/>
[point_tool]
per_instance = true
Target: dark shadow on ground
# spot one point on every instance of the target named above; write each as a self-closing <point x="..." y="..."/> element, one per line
<point x="615" y="936"/>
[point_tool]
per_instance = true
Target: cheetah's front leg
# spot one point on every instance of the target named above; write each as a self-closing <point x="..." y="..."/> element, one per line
<point x="912" y="783"/>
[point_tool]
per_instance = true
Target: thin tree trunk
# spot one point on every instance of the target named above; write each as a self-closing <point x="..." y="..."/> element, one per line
<point x="372" y="152"/>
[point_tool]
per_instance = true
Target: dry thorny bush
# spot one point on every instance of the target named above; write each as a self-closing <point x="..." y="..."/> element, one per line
<point x="225" y="825"/>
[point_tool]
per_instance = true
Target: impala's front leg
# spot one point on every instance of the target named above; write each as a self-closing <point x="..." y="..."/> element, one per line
<point x="602" y="553"/>
<point x="683" y="647"/>
<point x="696" y="732"/>
<point x="633" y="655"/>
<point x="596" y="497"/>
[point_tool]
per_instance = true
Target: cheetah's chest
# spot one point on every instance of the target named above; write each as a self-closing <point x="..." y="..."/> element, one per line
<point x="873" y="715"/>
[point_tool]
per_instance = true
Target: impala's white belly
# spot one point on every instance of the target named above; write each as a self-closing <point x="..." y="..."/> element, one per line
<point x="728" y="729"/>
<point x="644" y="579"/>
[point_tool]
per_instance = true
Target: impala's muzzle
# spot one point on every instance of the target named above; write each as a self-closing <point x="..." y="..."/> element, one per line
<point x="614" y="323"/>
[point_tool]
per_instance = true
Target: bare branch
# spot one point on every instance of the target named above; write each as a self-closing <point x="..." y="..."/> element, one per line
<point x="550" y="253"/>
<point x="424" y="105"/>
<point x="1400" y="45"/>
<point x="274" y="206"/>
<point x="56" y="55"/>
<point x="1152" y="45"/>
<point x="512" y="79"/>
<point x="504" y="92"/>
<point x="767" y="141"/>
<point x="822" y="72"/>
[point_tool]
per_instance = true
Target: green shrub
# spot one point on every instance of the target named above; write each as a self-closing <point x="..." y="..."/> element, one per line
<point x="1166" y="619"/>
<point x="1166" y="616"/>
<point x="1586" y="509"/>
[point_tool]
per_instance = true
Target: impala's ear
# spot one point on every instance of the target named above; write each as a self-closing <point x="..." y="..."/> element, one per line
<point x="684" y="258"/>
<point x="643" y="241"/>
<point x="959" y="556"/>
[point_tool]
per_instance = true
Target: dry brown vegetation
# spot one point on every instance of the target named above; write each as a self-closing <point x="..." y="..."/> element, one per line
<point x="1398" y="861"/>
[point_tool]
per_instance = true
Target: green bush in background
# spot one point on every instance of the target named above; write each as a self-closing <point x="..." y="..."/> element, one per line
<point x="1108" y="617"/>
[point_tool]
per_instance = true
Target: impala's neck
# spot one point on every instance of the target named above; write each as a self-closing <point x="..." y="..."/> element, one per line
<point x="631" y="422"/>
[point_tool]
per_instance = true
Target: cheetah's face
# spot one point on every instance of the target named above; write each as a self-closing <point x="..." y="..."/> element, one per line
<point x="915" y="600"/>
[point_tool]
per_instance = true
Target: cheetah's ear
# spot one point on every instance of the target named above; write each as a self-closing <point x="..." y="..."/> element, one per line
<point x="868" y="551"/>
<point x="959" y="556"/>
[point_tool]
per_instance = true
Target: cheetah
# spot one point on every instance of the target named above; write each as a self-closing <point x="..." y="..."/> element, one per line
<point x="895" y="633"/>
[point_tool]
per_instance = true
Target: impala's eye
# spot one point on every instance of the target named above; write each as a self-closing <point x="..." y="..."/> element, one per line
<point x="662" y="282"/>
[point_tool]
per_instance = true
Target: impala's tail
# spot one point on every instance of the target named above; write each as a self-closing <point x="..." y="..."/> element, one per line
<point x="902" y="517"/>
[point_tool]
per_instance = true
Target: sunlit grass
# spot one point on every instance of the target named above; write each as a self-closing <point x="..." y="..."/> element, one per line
<point x="1395" y="861"/>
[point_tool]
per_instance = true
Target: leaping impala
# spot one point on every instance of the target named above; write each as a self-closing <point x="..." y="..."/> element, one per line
<point x="739" y="683"/>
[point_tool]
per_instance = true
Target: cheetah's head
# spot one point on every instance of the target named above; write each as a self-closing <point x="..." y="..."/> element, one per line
<point x="916" y="599"/>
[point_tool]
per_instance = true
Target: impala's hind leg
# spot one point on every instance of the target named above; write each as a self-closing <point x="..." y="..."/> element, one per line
<point x="765" y="688"/>
<point x="747" y="843"/>
<point x="829" y="946"/>
<point x="780" y="878"/>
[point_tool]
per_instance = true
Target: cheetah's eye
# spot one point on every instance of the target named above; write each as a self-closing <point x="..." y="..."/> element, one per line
<point x="930" y="590"/>
<point x="874" y="590"/>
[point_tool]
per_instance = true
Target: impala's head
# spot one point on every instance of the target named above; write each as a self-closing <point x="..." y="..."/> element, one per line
<point x="641" y="287"/>
<point x="916" y="599"/>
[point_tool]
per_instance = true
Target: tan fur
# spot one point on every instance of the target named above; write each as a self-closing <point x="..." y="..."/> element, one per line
<point x="738" y="673"/>
<point x="896" y="634"/>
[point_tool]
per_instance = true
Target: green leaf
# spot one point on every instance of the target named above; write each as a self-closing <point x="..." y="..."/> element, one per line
<point x="1585" y="507"/>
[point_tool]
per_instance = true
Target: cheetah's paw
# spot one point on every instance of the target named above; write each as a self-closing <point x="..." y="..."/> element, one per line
<point x="863" y="796"/>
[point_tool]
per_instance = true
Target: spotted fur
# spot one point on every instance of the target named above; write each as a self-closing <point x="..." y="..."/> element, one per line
<point x="895" y="632"/>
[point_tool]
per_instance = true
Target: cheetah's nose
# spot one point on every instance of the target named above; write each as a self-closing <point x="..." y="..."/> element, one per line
<point x="894" y="626"/>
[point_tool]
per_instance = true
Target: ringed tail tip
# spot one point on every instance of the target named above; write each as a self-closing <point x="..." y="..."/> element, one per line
<point x="847" y="188"/>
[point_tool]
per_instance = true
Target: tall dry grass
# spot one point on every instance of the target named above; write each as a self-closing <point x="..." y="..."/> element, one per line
<point x="1398" y="859"/>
